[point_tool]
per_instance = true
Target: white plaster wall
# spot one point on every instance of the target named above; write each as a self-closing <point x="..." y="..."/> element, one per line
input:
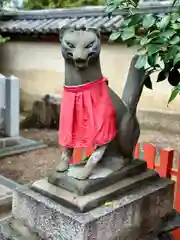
<point x="40" y="68"/>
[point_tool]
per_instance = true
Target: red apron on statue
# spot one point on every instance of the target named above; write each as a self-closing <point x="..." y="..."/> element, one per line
<point x="87" y="115"/>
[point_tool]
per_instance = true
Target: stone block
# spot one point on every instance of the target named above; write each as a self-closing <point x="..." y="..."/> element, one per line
<point x="94" y="199"/>
<point x="15" y="145"/>
<point x="5" y="200"/>
<point x="106" y="173"/>
<point x="128" y="216"/>
<point x="11" y="229"/>
<point x="12" y="107"/>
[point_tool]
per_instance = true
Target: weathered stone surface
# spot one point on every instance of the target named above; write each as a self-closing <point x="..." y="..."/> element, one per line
<point x="44" y="113"/>
<point x="10" y="184"/>
<point x="97" y="198"/>
<point x="7" y="187"/>
<point x="110" y="166"/>
<point x="11" y="229"/>
<point x="14" y="145"/>
<point x="129" y="216"/>
<point x="5" y="200"/>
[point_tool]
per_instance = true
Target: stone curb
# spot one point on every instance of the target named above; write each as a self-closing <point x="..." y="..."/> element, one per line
<point x="24" y="145"/>
<point x="12" y="185"/>
<point x="6" y="193"/>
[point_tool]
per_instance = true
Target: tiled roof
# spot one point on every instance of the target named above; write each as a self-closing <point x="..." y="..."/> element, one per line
<point x="50" y="21"/>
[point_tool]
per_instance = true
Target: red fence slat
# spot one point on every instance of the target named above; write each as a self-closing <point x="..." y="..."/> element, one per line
<point x="149" y="155"/>
<point x="177" y="189"/>
<point x="137" y="150"/>
<point x="89" y="151"/>
<point x="165" y="169"/>
<point x="77" y="155"/>
<point x="176" y="234"/>
<point x="166" y="162"/>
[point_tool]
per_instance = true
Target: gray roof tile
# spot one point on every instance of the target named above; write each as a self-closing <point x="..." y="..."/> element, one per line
<point x="53" y="25"/>
<point x="50" y="21"/>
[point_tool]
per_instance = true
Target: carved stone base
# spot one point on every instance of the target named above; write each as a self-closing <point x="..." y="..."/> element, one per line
<point x="92" y="200"/>
<point x="105" y="174"/>
<point x="129" y="216"/>
<point x="128" y="204"/>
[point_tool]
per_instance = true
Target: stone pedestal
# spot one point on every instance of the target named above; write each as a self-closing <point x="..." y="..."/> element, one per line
<point x="129" y="208"/>
<point x="5" y="201"/>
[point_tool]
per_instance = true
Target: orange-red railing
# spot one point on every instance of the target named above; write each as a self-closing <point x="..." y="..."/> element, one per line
<point x="164" y="168"/>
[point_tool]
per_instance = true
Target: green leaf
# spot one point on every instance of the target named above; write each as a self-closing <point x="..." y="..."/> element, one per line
<point x="177" y="58"/>
<point x="126" y="21"/>
<point x="147" y="82"/>
<point x="172" y="52"/>
<point x="131" y="2"/>
<point x="168" y="65"/>
<point x="148" y="21"/>
<point x="168" y="33"/>
<point x="109" y="2"/>
<point x="153" y="34"/>
<point x="164" y="22"/>
<point x="114" y="36"/>
<point x="141" y="61"/>
<point x="111" y="8"/>
<point x="144" y="40"/>
<point x="109" y="14"/>
<point x="161" y="15"/>
<point x="162" y="76"/>
<point x="174" y="2"/>
<point x="174" y="16"/>
<point x="136" y="18"/>
<point x="150" y="71"/>
<point x="175" y="40"/>
<point x="173" y="95"/>
<point x="160" y="40"/>
<point x="174" y="77"/>
<point x="152" y="48"/>
<point x="117" y="2"/>
<point x="147" y="66"/>
<point x="131" y="42"/>
<point x="141" y="50"/>
<point x="176" y="26"/>
<point x="152" y="59"/>
<point x="128" y="33"/>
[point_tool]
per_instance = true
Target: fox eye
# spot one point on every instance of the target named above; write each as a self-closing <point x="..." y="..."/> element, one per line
<point x="70" y="44"/>
<point x="89" y="45"/>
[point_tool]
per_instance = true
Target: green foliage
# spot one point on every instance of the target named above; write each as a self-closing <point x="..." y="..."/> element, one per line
<point x="2" y="2"/>
<point x="3" y="39"/>
<point x="175" y="92"/>
<point x="42" y="4"/>
<point x="158" y="40"/>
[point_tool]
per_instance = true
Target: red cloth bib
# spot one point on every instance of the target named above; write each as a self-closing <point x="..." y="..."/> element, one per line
<point x="87" y="115"/>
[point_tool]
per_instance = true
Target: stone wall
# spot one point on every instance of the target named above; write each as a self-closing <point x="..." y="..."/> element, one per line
<point x="40" y="68"/>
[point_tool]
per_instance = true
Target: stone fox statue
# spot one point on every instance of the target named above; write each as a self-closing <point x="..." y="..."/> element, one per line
<point x="91" y="112"/>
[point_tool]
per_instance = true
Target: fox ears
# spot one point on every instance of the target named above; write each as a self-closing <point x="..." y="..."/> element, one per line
<point x="65" y="29"/>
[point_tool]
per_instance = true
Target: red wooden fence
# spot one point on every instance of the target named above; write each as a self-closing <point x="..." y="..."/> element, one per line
<point x="165" y="170"/>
